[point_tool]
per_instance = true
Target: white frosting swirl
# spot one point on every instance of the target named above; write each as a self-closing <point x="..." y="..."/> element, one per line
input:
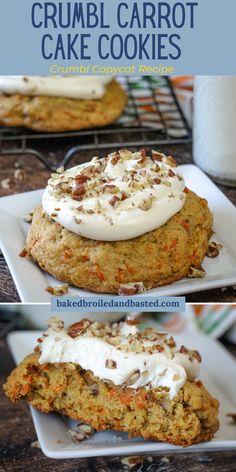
<point x="132" y="360"/>
<point x="116" y="198"/>
<point x="89" y="87"/>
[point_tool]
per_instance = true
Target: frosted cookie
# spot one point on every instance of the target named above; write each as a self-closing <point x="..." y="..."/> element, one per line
<point x="121" y="224"/>
<point x="54" y="104"/>
<point x="118" y="377"/>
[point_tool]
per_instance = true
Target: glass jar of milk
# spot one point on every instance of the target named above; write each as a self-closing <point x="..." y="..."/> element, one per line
<point x="214" y="147"/>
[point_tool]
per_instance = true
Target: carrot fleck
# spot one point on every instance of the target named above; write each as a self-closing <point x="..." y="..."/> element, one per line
<point x="130" y="269"/>
<point x="99" y="273"/>
<point x="126" y="398"/>
<point x="185" y="225"/>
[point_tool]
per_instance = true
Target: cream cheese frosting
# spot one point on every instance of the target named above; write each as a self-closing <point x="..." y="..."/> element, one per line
<point x="119" y="197"/>
<point x="122" y="354"/>
<point x="89" y="87"/>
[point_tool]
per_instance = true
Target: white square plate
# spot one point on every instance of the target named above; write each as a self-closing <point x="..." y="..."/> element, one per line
<point x="31" y="281"/>
<point x="219" y="376"/>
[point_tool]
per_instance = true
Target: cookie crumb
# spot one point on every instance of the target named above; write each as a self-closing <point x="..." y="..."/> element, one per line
<point x="28" y="218"/>
<point x="20" y="174"/>
<point x="58" y="290"/>
<point x="232" y="416"/>
<point x="35" y="444"/>
<point x="6" y="183"/>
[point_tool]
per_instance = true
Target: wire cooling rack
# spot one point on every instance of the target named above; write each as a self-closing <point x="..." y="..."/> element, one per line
<point x="152" y="117"/>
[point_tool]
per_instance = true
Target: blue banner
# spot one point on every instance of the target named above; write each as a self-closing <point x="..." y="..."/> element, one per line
<point x="117" y="37"/>
<point x="114" y="304"/>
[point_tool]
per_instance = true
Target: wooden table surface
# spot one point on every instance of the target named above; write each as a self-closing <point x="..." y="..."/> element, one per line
<point x="35" y="177"/>
<point x="19" y="454"/>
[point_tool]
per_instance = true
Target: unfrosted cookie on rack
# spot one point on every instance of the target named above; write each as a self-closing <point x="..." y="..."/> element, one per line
<point x="57" y="104"/>
<point x="122" y="224"/>
<point x="118" y="377"/>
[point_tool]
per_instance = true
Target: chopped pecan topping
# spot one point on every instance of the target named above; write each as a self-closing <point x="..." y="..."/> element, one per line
<point x="77" y="220"/>
<point x="78" y="190"/>
<point x="133" y="378"/>
<point x="131" y="289"/>
<point x="58" y="290"/>
<point x="159" y="347"/>
<point x="110" y="364"/>
<point x="183" y="350"/>
<point x="115" y="201"/>
<point x="157" y="156"/>
<point x="142" y="152"/>
<point x="20" y="174"/>
<point x="132" y="322"/>
<point x="115" y="159"/>
<point x="157" y="180"/>
<point x="196" y="356"/>
<point x="127" y="290"/>
<point x="23" y="253"/>
<point x="134" y="461"/>
<point x="142" y="161"/>
<point x="90" y="211"/>
<point x="196" y="273"/>
<point x="6" y="183"/>
<point x="85" y="431"/>
<point x="171" y="173"/>
<point x="124" y="196"/>
<point x="232" y="416"/>
<point x="170" y="161"/>
<point x="37" y="349"/>
<point x="156" y="167"/>
<point x="81" y="179"/>
<point x="213" y="249"/>
<point x="171" y="342"/>
<point x="198" y="383"/>
<point x="28" y="218"/>
<point x="109" y="188"/>
<point x="78" y="328"/>
<point x="60" y="170"/>
<point x="146" y="204"/>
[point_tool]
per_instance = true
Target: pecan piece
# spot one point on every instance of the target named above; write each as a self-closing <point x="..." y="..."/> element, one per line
<point x="110" y="364"/>
<point x="142" y="161"/>
<point x="78" y="190"/>
<point x="170" y="161"/>
<point x="213" y="249"/>
<point x="109" y="188"/>
<point x="28" y="218"/>
<point x="78" y="328"/>
<point x="131" y="288"/>
<point x="232" y="416"/>
<point x="115" y="158"/>
<point x="171" y="173"/>
<point x="157" y="156"/>
<point x="58" y="290"/>
<point x="142" y="152"/>
<point x="133" y="378"/>
<point x="146" y="204"/>
<point x="196" y="356"/>
<point x="81" y="179"/>
<point x="123" y="196"/>
<point x="183" y="350"/>
<point x="23" y="253"/>
<point x="115" y="201"/>
<point x="196" y="273"/>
